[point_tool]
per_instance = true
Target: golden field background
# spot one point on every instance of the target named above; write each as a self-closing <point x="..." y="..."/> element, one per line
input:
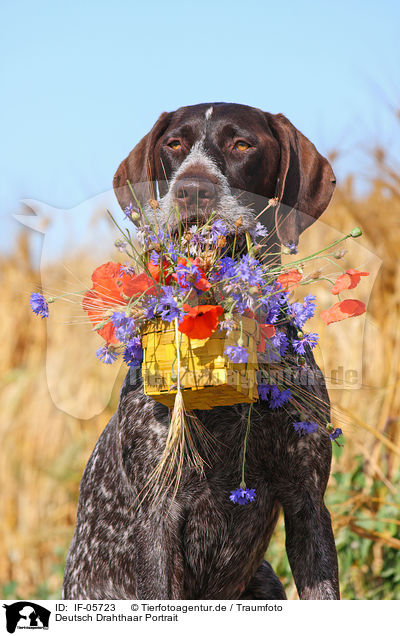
<point x="44" y="449"/>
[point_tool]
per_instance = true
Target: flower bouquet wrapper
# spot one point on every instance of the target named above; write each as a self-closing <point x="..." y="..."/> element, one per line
<point x="207" y="377"/>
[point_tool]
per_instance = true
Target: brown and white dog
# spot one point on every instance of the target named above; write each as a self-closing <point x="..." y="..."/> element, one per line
<point x="200" y="545"/>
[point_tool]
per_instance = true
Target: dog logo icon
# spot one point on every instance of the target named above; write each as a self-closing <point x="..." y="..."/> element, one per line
<point x="26" y="615"/>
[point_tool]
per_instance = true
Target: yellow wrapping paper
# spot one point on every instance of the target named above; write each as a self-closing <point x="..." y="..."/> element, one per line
<point x="208" y="378"/>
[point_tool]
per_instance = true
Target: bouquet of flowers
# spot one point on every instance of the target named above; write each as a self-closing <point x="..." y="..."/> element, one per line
<point x="205" y="314"/>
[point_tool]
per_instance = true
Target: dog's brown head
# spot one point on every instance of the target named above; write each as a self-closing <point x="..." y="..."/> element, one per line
<point x="229" y="158"/>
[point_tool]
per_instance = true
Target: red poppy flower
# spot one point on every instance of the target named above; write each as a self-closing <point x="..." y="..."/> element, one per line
<point x="135" y="285"/>
<point x="345" y="309"/>
<point x="349" y="280"/>
<point x="200" y="281"/>
<point x="266" y="331"/>
<point x="156" y="274"/>
<point x="290" y="279"/>
<point x="106" y="295"/>
<point x="201" y="321"/>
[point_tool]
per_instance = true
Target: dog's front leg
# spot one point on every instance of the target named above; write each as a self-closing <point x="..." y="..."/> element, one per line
<point x="311" y="549"/>
<point x="159" y="561"/>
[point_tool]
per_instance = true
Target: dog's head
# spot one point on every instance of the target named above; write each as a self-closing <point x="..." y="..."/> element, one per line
<point x="229" y="159"/>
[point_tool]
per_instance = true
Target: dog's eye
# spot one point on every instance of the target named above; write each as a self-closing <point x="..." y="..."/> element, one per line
<point x="241" y="145"/>
<point x="175" y="144"/>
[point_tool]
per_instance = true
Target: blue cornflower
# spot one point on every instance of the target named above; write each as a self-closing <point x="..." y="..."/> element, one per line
<point x="39" y="305"/>
<point x="301" y="312"/>
<point x="259" y="230"/>
<point x="189" y="276"/>
<point x="118" y="319"/>
<point x="271" y="307"/>
<point x="196" y="239"/>
<point x="235" y="353"/>
<point x="264" y="391"/>
<point x="129" y="210"/>
<point x="143" y="235"/>
<point x="279" y="398"/>
<point x="292" y="247"/>
<point x="276" y="397"/>
<point x="250" y="270"/>
<point x="227" y="269"/>
<point x="226" y="325"/>
<point x="171" y="250"/>
<point x="280" y="341"/>
<point x="157" y="238"/>
<point x="242" y="496"/>
<point x="305" y="428"/>
<point x="155" y="257"/>
<point x="125" y="332"/>
<point x="308" y="339"/>
<point x="106" y="355"/>
<point x="276" y="347"/>
<point x="133" y="354"/>
<point x="167" y="306"/>
<point x="272" y="302"/>
<point x="127" y="269"/>
<point x="242" y="301"/>
<point x="124" y="325"/>
<point x="149" y="306"/>
<point x="217" y="229"/>
<point x="336" y="433"/>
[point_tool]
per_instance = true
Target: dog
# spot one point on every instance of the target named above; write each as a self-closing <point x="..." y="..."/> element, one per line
<point x="198" y="544"/>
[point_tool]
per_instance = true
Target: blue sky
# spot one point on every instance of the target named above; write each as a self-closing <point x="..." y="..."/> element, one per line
<point x="83" y="82"/>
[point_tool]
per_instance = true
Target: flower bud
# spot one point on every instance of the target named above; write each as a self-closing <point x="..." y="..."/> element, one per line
<point x="339" y="253"/>
<point x="239" y="222"/>
<point x="153" y="204"/>
<point x="356" y="231"/>
<point x="121" y="245"/>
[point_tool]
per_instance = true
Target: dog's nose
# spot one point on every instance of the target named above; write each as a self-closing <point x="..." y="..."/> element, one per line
<point x="192" y="192"/>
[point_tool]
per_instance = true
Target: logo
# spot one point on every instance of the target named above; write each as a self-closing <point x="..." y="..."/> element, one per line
<point x="26" y="615"/>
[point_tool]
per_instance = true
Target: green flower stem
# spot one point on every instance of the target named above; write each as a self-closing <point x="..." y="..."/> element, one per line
<point x="243" y="483"/>
<point x="234" y="243"/>
<point x="312" y="256"/>
<point x="334" y="263"/>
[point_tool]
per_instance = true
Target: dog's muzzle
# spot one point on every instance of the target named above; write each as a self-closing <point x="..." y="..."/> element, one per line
<point x="195" y="197"/>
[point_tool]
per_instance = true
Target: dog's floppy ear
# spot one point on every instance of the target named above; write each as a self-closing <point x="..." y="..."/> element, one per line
<point x="305" y="181"/>
<point x="139" y="168"/>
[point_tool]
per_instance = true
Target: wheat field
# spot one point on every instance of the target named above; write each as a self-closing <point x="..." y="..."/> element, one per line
<point x="46" y="440"/>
